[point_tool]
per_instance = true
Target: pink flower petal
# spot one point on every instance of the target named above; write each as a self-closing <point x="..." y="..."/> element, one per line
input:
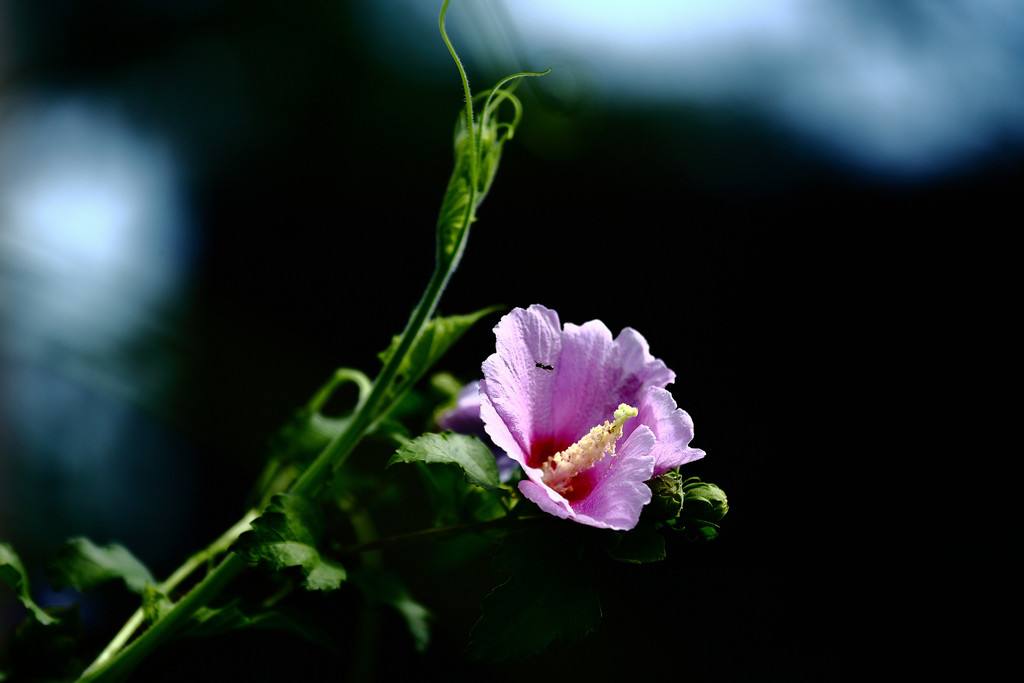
<point x="546" y="499"/>
<point x="672" y="427"/>
<point x="516" y="392"/>
<point x="619" y="494"/>
<point x="547" y="386"/>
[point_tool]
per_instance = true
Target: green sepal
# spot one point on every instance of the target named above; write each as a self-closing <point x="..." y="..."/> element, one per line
<point x="287" y="535"/>
<point x="84" y="565"/>
<point x="639" y="545"/>
<point x="380" y="586"/>
<point x="468" y="452"/>
<point x="12" y="572"/>
<point x="550" y="595"/>
<point x="437" y="337"/>
<point x="667" y="497"/>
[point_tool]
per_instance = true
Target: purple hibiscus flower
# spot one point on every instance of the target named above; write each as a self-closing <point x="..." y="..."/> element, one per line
<point x="586" y="416"/>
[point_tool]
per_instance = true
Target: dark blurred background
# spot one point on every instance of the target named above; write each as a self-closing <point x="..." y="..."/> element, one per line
<point x="207" y="205"/>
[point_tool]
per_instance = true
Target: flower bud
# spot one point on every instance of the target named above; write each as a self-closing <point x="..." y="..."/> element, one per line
<point x="703" y="501"/>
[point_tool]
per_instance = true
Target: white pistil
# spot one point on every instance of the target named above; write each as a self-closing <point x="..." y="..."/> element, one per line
<point x="562" y="467"/>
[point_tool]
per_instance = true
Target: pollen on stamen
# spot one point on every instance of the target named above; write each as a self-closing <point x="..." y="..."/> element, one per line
<point x="562" y="467"/>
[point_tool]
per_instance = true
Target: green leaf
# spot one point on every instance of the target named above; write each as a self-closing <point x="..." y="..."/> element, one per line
<point x="640" y="544"/>
<point x="452" y="220"/>
<point x="84" y="565"/>
<point x="468" y="452"/>
<point x="48" y="654"/>
<point x="450" y="501"/>
<point x="550" y="595"/>
<point x="12" y="572"/>
<point x="155" y="603"/>
<point x="437" y="337"/>
<point x="209" y="621"/>
<point x="305" y="435"/>
<point x="303" y="438"/>
<point x="288" y="534"/>
<point x="380" y="586"/>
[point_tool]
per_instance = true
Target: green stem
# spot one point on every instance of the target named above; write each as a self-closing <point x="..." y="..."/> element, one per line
<point x="117" y="660"/>
<point x="338" y="450"/>
<point x="465" y="88"/>
<point x="128" y="658"/>
<point x="366" y="645"/>
<point x="114" y="662"/>
<point x="340" y="376"/>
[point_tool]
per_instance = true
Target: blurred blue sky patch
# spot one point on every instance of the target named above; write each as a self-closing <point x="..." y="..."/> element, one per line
<point x="912" y="88"/>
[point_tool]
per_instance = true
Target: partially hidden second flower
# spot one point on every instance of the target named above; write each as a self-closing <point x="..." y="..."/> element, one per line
<point x="586" y="416"/>
<point x="464" y="418"/>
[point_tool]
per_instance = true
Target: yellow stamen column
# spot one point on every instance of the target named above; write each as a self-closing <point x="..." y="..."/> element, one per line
<point x="562" y="467"/>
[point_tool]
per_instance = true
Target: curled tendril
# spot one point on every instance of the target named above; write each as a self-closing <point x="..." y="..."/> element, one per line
<point x="495" y="97"/>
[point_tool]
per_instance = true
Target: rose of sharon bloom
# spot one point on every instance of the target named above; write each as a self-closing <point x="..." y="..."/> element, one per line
<point x="585" y="415"/>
